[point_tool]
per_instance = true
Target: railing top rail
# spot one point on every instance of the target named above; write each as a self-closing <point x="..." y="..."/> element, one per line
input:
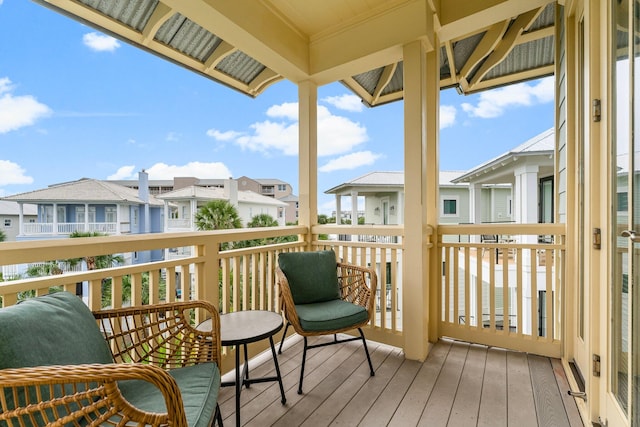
<point x="510" y="228"/>
<point x="39" y="250"/>
<point x="371" y="229"/>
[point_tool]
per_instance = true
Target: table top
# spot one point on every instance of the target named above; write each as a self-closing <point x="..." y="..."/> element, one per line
<point x="243" y="327"/>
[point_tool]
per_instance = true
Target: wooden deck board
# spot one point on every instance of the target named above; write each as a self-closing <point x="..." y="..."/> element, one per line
<point x="438" y="407"/>
<point x="493" y="402"/>
<point x="459" y="384"/>
<point x="521" y="410"/>
<point x="467" y="403"/>
<point x="549" y="405"/>
<point x="411" y="408"/>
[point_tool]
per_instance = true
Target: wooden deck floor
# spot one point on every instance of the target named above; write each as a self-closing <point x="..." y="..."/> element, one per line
<point x="459" y="384"/>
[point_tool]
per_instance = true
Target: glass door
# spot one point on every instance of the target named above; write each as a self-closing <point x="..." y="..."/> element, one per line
<point x="626" y="214"/>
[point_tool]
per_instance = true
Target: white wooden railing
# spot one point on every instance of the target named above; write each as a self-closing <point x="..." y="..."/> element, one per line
<point x="472" y="299"/>
<point x="504" y="291"/>
<point x="236" y="279"/>
<point x="34" y="228"/>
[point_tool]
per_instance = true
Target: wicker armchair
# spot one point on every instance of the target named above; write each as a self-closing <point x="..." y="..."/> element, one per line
<point x="61" y="365"/>
<point x="323" y="297"/>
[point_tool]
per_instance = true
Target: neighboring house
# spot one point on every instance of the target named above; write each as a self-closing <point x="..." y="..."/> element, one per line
<point x="10" y="217"/>
<point x="528" y="169"/>
<point x="383" y="194"/>
<point x="290" y="213"/>
<point x="273" y="188"/>
<point x="88" y="205"/>
<point x="516" y="186"/>
<point x="183" y="204"/>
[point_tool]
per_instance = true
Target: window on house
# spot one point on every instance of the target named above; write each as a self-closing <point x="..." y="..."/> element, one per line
<point x="110" y="214"/>
<point x="7" y="222"/>
<point x="623" y="202"/>
<point x="282" y="187"/>
<point x="449" y="206"/>
<point x="80" y="214"/>
<point x="92" y="214"/>
<point x="62" y="214"/>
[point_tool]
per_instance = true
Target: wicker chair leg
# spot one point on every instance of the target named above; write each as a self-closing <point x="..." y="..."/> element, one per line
<point x="304" y="358"/>
<point x="218" y="417"/>
<point x="284" y="334"/>
<point x="366" y="350"/>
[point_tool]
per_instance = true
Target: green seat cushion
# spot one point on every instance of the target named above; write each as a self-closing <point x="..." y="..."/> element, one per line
<point x="330" y="315"/>
<point x="312" y="276"/>
<point x="199" y="386"/>
<point x="55" y="329"/>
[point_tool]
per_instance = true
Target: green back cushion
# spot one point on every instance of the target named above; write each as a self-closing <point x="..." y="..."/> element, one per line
<point x="312" y="276"/>
<point x="55" y="329"/>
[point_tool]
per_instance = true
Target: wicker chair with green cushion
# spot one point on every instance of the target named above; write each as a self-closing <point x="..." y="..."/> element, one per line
<point x="321" y="296"/>
<point x="61" y="364"/>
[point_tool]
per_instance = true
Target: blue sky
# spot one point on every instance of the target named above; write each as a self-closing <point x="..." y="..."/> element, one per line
<point x="75" y="103"/>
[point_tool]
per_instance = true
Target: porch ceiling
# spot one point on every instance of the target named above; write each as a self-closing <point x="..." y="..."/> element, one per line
<point x="249" y="45"/>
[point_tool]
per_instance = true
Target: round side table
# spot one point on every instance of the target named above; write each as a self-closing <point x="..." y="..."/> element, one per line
<point x="240" y="328"/>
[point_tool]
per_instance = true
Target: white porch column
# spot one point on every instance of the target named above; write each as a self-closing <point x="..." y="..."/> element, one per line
<point x="354" y="208"/>
<point x="308" y="154"/>
<point x="119" y="220"/>
<point x="55" y="218"/>
<point x="475" y="207"/>
<point x="421" y="188"/>
<point x="475" y="203"/>
<point x="166" y="216"/>
<point x="20" y="218"/>
<point x="526" y="194"/>
<point x="354" y="213"/>
<point x="400" y="208"/>
<point x="193" y="209"/>
<point x="86" y="217"/>
<point x="338" y="208"/>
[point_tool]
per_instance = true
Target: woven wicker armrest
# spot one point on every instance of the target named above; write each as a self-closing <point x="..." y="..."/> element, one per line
<point x="286" y="297"/>
<point x="358" y="284"/>
<point x="83" y="395"/>
<point x="161" y="334"/>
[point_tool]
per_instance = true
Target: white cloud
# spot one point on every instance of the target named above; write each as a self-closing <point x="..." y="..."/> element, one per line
<point x="124" y="172"/>
<point x="165" y="171"/>
<point x="197" y="169"/>
<point x="100" y="42"/>
<point x="350" y="161"/>
<point x="173" y="137"/>
<point x="223" y="136"/>
<point x="493" y="103"/>
<point x="287" y="110"/>
<point x="447" y="116"/>
<point x="345" y="102"/>
<point x="12" y="173"/>
<point x="336" y="134"/>
<point x="18" y="111"/>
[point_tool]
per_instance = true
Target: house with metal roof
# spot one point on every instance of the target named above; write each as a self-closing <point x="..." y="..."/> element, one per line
<point x="516" y="186"/>
<point x="181" y="205"/>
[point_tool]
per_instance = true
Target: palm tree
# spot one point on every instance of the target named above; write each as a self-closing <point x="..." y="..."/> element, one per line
<point x="3" y="236"/>
<point x="263" y="220"/>
<point x="218" y="215"/>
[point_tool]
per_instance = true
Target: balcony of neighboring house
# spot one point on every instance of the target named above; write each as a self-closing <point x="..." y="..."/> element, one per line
<point x="478" y="372"/>
<point x="66" y="228"/>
